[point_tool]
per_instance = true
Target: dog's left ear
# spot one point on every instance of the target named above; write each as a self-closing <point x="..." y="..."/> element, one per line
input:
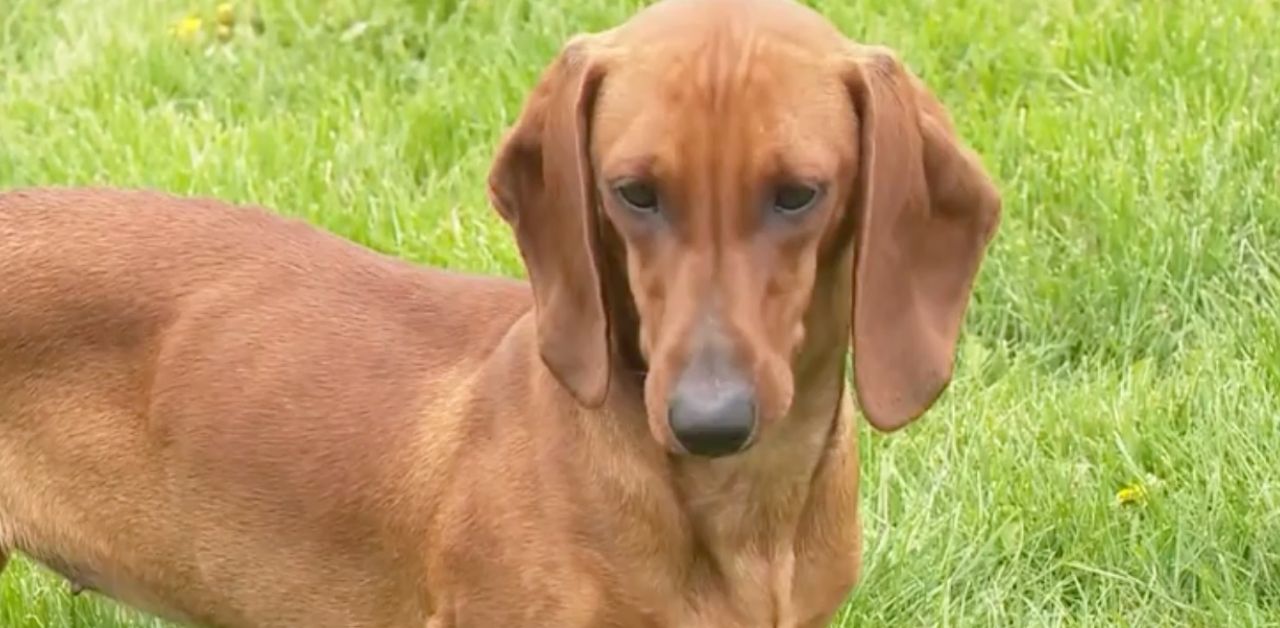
<point x="924" y="211"/>
<point x="542" y="184"/>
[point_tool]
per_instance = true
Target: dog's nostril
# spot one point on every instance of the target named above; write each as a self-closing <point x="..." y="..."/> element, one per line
<point x="713" y="423"/>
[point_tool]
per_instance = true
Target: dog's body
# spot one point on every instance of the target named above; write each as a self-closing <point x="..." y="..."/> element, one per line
<point x="238" y="420"/>
<point x="219" y="420"/>
<point x="233" y="419"/>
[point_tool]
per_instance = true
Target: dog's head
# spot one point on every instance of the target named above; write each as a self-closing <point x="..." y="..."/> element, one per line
<point x="741" y="174"/>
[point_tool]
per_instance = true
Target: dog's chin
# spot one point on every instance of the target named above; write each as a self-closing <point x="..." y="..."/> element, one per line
<point x="674" y="450"/>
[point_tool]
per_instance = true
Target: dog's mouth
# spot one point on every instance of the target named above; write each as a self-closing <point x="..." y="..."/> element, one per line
<point x="639" y="373"/>
<point x="633" y="360"/>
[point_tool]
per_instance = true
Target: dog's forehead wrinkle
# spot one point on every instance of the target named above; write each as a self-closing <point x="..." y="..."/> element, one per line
<point x="784" y="18"/>
<point x="731" y="84"/>
<point x="717" y="51"/>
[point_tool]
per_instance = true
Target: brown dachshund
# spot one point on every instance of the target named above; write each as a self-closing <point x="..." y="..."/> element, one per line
<point x="233" y="419"/>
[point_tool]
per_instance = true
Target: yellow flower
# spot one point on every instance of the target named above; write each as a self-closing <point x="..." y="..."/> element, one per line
<point x="187" y="29"/>
<point x="224" y="33"/>
<point x="1132" y="494"/>
<point x="226" y="14"/>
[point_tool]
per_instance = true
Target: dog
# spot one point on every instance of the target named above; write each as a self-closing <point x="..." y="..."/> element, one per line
<point x="229" y="418"/>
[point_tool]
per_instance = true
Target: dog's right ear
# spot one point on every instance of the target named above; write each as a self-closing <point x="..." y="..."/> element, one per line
<point x="542" y="184"/>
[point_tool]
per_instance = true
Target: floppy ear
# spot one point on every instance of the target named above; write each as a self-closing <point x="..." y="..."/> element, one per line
<point x="925" y="211"/>
<point x="542" y="184"/>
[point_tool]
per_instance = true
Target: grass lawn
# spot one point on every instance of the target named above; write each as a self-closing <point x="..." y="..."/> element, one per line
<point x="1124" y="334"/>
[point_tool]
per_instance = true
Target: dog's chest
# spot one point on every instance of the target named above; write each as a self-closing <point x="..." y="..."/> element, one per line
<point x="781" y="590"/>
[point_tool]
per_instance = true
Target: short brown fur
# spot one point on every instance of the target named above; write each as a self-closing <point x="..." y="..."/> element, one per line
<point x="233" y="419"/>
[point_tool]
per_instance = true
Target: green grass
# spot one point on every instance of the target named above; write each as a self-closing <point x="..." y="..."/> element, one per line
<point x="1124" y="329"/>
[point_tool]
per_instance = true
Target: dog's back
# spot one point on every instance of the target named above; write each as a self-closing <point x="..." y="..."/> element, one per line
<point x="181" y="380"/>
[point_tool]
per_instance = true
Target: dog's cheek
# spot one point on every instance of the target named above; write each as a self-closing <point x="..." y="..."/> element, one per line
<point x="785" y="321"/>
<point x="646" y="338"/>
<point x="656" y="390"/>
<point x="647" y="292"/>
<point x="777" y="387"/>
<point x="797" y="337"/>
<point x="780" y="346"/>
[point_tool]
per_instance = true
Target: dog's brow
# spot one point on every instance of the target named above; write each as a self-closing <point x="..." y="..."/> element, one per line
<point x="801" y="165"/>
<point x="641" y="165"/>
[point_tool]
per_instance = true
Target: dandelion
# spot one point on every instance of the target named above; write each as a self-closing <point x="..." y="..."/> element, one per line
<point x="1132" y="494"/>
<point x="224" y="33"/>
<point x="188" y="29"/>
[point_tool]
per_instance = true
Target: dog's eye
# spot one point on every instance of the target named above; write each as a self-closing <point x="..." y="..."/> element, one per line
<point x="793" y="199"/>
<point x="639" y="195"/>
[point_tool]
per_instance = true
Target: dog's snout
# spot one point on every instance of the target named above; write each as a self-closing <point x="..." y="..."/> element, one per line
<point x="712" y="408"/>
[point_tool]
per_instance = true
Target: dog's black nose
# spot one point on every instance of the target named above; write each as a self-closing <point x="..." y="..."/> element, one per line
<point x="712" y="416"/>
